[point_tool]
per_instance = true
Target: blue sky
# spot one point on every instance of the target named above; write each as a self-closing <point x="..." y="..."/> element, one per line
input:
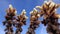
<point x="28" y="5"/>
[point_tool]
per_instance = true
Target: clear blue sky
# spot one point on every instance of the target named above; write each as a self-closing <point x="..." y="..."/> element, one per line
<point x="20" y="5"/>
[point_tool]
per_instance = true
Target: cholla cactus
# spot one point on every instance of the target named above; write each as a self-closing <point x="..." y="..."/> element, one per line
<point x="11" y="12"/>
<point x="34" y="22"/>
<point x="48" y="9"/>
<point x="34" y="16"/>
<point x="21" y="21"/>
<point x="23" y="17"/>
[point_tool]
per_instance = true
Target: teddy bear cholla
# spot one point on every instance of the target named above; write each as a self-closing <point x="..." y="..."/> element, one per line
<point x="21" y="21"/>
<point x="34" y="21"/>
<point x="34" y="18"/>
<point x="10" y="13"/>
<point x="48" y="9"/>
